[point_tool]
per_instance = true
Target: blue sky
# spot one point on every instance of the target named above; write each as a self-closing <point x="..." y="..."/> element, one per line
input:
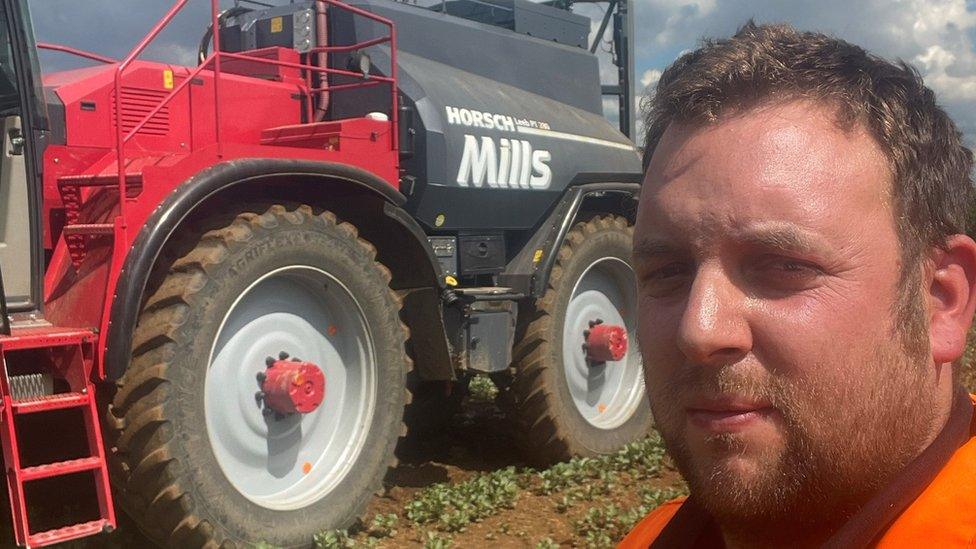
<point x="937" y="36"/>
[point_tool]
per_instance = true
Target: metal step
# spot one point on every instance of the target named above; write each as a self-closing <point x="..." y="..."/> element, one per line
<point x="489" y="293"/>
<point x="28" y="386"/>
<point x="41" y="337"/>
<point x="75" y="531"/>
<point x="89" y="229"/>
<point x="483" y="290"/>
<point x="50" y="402"/>
<point x="60" y="468"/>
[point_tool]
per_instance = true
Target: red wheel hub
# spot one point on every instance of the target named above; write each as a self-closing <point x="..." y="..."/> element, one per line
<point x="606" y="342"/>
<point x="292" y="386"/>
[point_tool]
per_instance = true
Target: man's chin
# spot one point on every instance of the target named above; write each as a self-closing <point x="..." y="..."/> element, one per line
<point x="738" y="487"/>
<point x="734" y="469"/>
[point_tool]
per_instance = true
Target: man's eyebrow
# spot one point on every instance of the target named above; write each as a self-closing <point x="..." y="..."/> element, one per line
<point x="780" y="238"/>
<point x="649" y="247"/>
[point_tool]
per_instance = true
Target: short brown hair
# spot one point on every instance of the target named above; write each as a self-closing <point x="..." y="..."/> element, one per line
<point x="761" y="63"/>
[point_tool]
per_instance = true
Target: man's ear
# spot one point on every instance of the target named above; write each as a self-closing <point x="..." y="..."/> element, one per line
<point x="952" y="297"/>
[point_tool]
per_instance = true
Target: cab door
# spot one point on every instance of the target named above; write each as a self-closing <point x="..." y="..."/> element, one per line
<point x="23" y="130"/>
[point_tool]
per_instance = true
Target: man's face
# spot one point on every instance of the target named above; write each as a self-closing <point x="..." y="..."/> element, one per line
<point x="768" y="268"/>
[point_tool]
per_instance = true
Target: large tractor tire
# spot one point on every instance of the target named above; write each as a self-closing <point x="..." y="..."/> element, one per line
<point x="565" y="403"/>
<point x="201" y="457"/>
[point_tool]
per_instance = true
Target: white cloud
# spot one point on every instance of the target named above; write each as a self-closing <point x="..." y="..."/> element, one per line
<point x="680" y="14"/>
<point x="943" y="72"/>
<point x="936" y="36"/>
<point x="649" y="79"/>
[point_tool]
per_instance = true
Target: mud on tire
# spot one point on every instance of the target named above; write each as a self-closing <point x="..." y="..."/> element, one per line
<point x="163" y="463"/>
<point x="550" y="425"/>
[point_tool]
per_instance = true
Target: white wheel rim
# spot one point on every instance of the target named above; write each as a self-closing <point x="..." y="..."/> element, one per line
<point x="606" y="394"/>
<point x="289" y="462"/>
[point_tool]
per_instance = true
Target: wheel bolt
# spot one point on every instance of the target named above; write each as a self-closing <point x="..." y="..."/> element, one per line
<point x="261" y="377"/>
<point x="269" y="362"/>
<point x="259" y="396"/>
<point x="282" y="355"/>
<point x="586" y="333"/>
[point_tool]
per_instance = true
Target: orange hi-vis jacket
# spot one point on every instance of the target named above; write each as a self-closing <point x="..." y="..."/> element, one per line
<point x="943" y="515"/>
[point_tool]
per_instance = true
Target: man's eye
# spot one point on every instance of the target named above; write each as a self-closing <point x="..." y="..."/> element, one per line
<point x="665" y="280"/>
<point x="784" y="274"/>
<point x="796" y="267"/>
<point x="791" y="267"/>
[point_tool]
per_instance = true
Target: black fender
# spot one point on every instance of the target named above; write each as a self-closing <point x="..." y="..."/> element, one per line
<point x="528" y="272"/>
<point x="179" y="204"/>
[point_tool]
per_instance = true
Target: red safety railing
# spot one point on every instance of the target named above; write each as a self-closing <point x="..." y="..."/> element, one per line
<point x="214" y="59"/>
<point x="75" y="51"/>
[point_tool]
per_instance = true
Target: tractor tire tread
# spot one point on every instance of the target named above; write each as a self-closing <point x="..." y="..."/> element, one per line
<point x="145" y="475"/>
<point x="540" y="433"/>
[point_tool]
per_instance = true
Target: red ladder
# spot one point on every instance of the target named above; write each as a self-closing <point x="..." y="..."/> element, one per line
<point x="73" y="349"/>
<point x="78" y="234"/>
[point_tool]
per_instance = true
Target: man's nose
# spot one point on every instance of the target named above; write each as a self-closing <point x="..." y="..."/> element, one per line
<point x="714" y="329"/>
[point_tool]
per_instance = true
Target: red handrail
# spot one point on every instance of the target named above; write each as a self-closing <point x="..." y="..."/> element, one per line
<point x="189" y="78"/>
<point x="120" y="143"/>
<point x="75" y="51"/>
<point x="215" y="58"/>
<point x="339" y="87"/>
<point x="394" y="110"/>
<point x="215" y="21"/>
<point x="328" y="70"/>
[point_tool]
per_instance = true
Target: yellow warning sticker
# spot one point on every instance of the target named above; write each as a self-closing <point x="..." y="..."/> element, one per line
<point x="537" y="256"/>
<point x="450" y="280"/>
<point x="168" y="79"/>
<point x="277" y="24"/>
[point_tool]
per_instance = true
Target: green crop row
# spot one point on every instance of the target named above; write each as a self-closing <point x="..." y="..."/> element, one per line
<point x="451" y="508"/>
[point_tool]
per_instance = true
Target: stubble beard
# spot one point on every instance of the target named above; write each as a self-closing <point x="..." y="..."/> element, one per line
<point x="843" y="438"/>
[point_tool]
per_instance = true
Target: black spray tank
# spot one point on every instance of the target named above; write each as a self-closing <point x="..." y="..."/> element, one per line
<point x="501" y="121"/>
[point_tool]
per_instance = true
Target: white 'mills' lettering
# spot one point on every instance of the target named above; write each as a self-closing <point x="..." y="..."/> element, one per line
<point x="512" y="165"/>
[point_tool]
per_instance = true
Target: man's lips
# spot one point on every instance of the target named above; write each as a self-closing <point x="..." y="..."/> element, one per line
<point x="727" y="414"/>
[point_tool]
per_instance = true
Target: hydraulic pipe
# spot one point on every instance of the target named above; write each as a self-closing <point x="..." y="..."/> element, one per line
<point x="322" y="58"/>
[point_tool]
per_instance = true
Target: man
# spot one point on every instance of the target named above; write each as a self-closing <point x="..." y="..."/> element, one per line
<point x="806" y="288"/>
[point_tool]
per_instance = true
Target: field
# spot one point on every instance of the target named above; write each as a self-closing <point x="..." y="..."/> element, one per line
<point x="583" y="503"/>
<point x="467" y="488"/>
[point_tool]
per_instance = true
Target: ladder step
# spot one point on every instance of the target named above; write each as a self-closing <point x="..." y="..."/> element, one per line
<point x="43" y="337"/>
<point x="67" y="533"/>
<point x="59" y="468"/>
<point x="27" y="386"/>
<point x="50" y="402"/>
<point x="89" y="228"/>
